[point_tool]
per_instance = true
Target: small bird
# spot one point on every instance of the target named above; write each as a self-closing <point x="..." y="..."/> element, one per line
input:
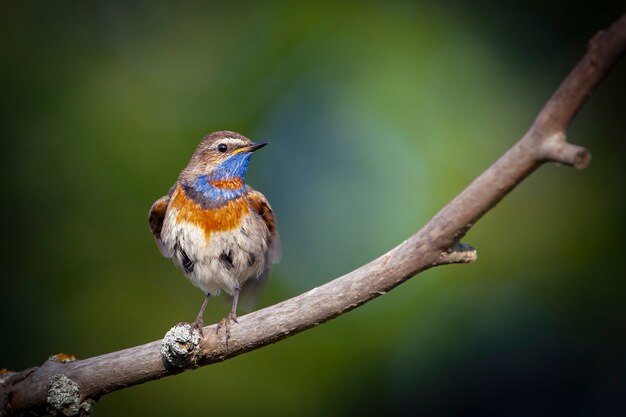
<point x="219" y="231"/>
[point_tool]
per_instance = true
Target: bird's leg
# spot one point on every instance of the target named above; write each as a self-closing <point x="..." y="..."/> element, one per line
<point x="198" y="324"/>
<point x="233" y="311"/>
<point x="232" y="316"/>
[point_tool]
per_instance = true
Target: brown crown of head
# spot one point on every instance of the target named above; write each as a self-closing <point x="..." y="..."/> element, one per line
<point x="212" y="150"/>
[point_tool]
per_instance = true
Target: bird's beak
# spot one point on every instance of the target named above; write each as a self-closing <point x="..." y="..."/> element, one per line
<point x="251" y="148"/>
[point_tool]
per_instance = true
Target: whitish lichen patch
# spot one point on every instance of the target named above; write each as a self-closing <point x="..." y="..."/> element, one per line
<point x="63" y="396"/>
<point x="180" y="344"/>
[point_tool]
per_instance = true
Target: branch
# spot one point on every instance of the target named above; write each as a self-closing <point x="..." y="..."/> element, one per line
<point x="66" y="386"/>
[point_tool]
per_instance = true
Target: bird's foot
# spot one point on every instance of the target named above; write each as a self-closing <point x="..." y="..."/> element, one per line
<point x="198" y="325"/>
<point x="225" y="323"/>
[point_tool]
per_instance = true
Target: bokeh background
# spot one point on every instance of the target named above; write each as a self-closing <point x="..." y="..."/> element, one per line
<point x="378" y="113"/>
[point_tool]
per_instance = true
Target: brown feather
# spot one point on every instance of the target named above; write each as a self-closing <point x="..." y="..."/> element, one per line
<point x="157" y="215"/>
<point x="259" y="204"/>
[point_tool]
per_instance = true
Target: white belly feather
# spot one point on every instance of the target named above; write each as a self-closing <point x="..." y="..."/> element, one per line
<point x="245" y="245"/>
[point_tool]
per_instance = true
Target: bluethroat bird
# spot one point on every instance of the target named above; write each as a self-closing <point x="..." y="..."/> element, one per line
<point x="219" y="231"/>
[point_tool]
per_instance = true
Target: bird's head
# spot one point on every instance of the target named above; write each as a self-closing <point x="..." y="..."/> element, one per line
<point x="221" y="160"/>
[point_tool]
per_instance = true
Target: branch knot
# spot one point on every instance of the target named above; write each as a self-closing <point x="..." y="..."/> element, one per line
<point x="459" y="253"/>
<point x="555" y="148"/>
<point x="180" y="345"/>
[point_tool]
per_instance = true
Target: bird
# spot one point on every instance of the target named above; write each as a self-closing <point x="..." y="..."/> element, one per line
<point x="217" y="229"/>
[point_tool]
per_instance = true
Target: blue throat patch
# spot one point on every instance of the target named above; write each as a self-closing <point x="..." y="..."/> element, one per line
<point x="234" y="167"/>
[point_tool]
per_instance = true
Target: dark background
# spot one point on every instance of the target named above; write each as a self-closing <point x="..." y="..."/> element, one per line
<point x="378" y="113"/>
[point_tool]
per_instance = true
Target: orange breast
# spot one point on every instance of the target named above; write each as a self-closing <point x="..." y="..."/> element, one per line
<point x="210" y="220"/>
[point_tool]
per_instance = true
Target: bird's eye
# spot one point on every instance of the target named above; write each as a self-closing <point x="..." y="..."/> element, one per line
<point x="222" y="147"/>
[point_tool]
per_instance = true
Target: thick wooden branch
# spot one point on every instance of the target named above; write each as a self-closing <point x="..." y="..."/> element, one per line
<point x="65" y="386"/>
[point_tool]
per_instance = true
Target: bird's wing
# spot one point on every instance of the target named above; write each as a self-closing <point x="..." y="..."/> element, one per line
<point x="155" y="219"/>
<point x="253" y="288"/>
<point x="258" y="203"/>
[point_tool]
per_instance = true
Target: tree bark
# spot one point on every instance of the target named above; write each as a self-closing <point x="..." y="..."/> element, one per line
<point x="63" y="385"/>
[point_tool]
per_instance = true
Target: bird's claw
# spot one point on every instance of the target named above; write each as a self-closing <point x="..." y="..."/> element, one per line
<point x="198" y="325"/>
<point x="225" y="322"/>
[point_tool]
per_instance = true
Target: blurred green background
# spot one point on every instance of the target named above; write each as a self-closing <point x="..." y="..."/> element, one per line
<point x="378" y="113"/>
